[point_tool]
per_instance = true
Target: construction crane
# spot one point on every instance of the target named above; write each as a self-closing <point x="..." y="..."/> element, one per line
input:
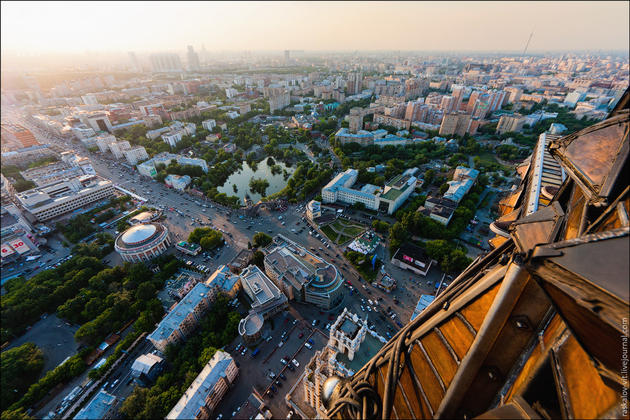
<point x="527" y="44"/>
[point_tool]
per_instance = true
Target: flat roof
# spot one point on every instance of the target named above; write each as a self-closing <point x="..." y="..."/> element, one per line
<point x="223" y="278"/>
<point x="97" y="407"/>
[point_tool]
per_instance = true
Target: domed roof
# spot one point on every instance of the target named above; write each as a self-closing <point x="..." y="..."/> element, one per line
<point x="138" y="233"/>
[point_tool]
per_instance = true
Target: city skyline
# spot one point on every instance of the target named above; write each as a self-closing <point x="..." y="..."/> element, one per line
<point x="340" y="26"/>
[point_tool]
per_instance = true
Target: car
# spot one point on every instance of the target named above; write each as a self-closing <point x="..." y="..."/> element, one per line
<point x="308" y="346"/>
<point x="269" y="339"/>
<point x="283" y="361"/>
<point x="244" y="351"/>
<point x="291" y="368"/>
<point x="300" y="335"/>
<point x="310" y="341"/>
<point x="278" y="383"/>
<point x="272" y="375"/>
<point x="295" y="362"/>
<point x="273" y="388"/>
<point x="284" y="378"/>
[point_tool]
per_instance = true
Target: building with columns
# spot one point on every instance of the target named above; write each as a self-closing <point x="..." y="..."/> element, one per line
<point x="342" y="356"/>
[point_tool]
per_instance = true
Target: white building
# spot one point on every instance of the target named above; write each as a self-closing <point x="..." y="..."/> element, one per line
<point x="387" y="199"/>
<point x="118" y="148"/>
<point x="45" y="203"/>
<point x="313" y="210"/>
<point x="173" y="138"/>
<point x="209" y="124"/>
<point x="207" y="390"/>
<point x="230" y="93"/>
<point x="135" y="155"/>
<point x="103" y="141"/>
<point x="148" y="168"/>
<point x="177" y="182"/>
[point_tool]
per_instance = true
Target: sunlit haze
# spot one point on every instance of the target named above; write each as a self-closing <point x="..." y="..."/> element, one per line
<point x="70" y="27"/>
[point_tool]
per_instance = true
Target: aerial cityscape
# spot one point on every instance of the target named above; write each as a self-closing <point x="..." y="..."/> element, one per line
<point x="301" y="210"/>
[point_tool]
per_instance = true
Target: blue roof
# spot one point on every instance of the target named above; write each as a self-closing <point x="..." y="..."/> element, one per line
<point x="223" y="279"/>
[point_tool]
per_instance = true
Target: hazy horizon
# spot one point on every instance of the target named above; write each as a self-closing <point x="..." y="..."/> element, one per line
<point x="71" y="28"/>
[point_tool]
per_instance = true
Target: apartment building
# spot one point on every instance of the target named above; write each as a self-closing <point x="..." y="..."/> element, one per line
<point x="510" y="124"/>
<point x="458" y="124"/>
<point x="118" y="148"/>
<point x="53" y="200"/>
<point x="183" y="318"/>
<point x="209" y="124"/>
<point x="279" y="101"/>
<point x="208" y="388"/>
<point x="398" y="123"/>
<point x="104" y="140"/>
<point x="135" y="155"/>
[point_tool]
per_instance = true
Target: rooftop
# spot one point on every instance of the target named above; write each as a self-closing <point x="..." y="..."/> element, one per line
<point x="172" y="321"/>
<point x="223" y="279"/>
<point x="97" y="407"/>
<point x="138" y="234"/>
<point x="194" y="398"/>
<point x="368" y="348"/>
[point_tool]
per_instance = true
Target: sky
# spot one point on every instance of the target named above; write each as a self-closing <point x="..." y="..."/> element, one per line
<point x="32" y="28"/>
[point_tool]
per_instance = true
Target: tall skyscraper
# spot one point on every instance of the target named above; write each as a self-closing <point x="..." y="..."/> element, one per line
<point x="193" y="59"/>
<point x="355" y="83"/>
<point x="165" y="62"/>
<point x="135" y="65"/>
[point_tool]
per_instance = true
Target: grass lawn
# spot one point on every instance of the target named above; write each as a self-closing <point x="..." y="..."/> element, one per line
<point x="352" y="231"/>
<point x="332" y="235"/>
<point x="348" y="229"/>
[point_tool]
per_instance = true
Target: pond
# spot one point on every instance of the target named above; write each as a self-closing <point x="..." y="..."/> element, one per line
<point x="242" y="177"/>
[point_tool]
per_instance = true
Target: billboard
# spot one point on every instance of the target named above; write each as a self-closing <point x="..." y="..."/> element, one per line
<point x="7" y="250"/>
<point x="19" y="246"/>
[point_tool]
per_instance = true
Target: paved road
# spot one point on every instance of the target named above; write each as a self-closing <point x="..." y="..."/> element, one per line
<point x="238" y="232"/>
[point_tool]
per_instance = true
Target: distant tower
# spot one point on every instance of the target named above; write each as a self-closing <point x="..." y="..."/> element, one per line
<point x="135" y="65"/>
<point x="193" y="59"/>
<point x="287" y="55"/>
<point x="527" y="44"/>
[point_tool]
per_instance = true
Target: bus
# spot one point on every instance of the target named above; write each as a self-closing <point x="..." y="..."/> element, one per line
<point x="255" y="353"/>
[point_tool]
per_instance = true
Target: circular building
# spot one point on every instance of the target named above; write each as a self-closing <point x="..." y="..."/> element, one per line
<point x="250" y="328"/>
<point x="142" y="242"/>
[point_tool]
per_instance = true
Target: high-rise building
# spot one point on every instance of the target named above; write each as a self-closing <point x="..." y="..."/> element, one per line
<point x="355" y="83"/>
<point x="355" y="120"/>
<point x="165" y="62"/>
<point x="448" y="103"/>
<point x="510" y="123"/>
<point x="135" y="65"/>
<point x="193" y="59"/>
<point x="522" y="329"/>
<point x="454" y="124"/>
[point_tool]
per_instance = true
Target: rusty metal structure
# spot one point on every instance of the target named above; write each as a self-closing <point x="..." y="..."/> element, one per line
<point x="536" y="327"/>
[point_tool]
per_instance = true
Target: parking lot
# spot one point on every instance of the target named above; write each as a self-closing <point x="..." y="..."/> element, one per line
<point x="54" y="337"/>
<point x="254" y="373"/>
